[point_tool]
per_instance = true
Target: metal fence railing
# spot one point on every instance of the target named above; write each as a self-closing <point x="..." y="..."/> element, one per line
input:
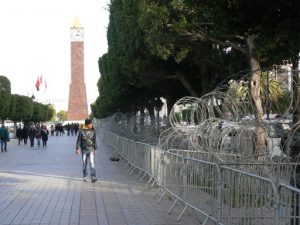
<point x="229" y="194"/>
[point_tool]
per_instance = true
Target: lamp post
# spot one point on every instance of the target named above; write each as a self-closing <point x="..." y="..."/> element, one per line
<point x="158" y="104"/>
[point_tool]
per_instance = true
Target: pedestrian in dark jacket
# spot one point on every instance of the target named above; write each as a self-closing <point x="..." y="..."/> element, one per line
<point x="31" y="133"/>
<point x="87" y="145"/>
<point x="25" y="134"/>
<point x="38" y="135"/>
<point x="44" y="133"/>
<point x="4" y="137"/>
<point x="19" y="134"/>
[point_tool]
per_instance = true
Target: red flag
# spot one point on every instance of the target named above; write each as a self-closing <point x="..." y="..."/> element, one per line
<point x="37" y="84"/>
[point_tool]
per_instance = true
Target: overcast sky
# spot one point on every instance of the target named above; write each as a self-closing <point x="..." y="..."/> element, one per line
<point x="35" y="40"/>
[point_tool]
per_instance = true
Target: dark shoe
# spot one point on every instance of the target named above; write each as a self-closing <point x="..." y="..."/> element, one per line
<point x="94" y="179"/>
<point x="114" y="159"/>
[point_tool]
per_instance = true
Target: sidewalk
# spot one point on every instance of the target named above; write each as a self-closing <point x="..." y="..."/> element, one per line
<point x="40" y="186"/>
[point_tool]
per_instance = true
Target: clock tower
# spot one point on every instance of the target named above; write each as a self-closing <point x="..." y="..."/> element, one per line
<point x="77" y="106"/>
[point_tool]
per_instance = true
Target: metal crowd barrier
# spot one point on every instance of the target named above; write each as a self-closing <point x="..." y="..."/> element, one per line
<point x="227" y="194"/>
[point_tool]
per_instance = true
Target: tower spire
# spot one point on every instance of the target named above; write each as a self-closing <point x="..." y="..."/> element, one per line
<point x="77" y="106"/>
<point x="76" y="22"/>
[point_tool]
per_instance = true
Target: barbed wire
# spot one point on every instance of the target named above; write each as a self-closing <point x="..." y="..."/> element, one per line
<point x="222" y="124"/>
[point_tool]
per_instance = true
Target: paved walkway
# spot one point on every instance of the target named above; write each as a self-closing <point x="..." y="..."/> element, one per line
<point x="44" y="186"/>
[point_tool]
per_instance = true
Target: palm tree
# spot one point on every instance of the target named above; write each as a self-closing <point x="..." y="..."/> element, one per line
<point x="272" y="92"/>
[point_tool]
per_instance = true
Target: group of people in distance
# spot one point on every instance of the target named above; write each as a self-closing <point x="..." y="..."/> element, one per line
<point x="86" y="144"/>
<point x="58" y="129"/>
<point x="33" y="131"/>
<point x="72" y="129"/>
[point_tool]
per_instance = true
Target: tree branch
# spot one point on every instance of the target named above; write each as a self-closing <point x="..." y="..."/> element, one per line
<point x="228" y="44"/>
<point x="187" y="84"/>
<point x="201" y="35"/>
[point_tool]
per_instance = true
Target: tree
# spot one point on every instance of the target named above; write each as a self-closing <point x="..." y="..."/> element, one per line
<point x="21" y="108"/>
<point x="37" y="112"/>
<point x="5" y="97"/>
<point x="24" y="108"/>
<point x="62" y="115"/>
<point x="130" y="76"/>
<point x="229" y="26"/>
<point x="271" y="90"/>
<point x="12" y="108"/>
<point x="51" y="112"/>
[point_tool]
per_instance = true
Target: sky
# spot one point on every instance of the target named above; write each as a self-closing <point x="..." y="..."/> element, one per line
<point x="35" y="41"/>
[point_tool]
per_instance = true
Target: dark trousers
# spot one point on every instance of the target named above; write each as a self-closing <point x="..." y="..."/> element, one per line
<point x="19" y="140"/>
<point x="3" y="145"/>
<point x="31" y="142"/>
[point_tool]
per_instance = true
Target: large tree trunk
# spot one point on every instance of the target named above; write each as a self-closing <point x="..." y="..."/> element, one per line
<point x="170" y="103"/>
<point x="187" y="84"/>
<point x="134" y="117"/>
<point x="150" y="108"/>
<point x="255" y="80"/>
<point x="296" y="92"/>
<point x="254" y="86"/>
<point x="294" y="148"/>
<point x="142" y="119"/>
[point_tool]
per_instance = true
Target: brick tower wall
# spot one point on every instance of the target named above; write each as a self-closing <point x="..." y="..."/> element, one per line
<point x="77" y="109"/>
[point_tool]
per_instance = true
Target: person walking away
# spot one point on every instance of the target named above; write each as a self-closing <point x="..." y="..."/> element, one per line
<point x="31" y="133"/>
<point x="76" y="128"/>
<point x="4" y="137"/>
<point x="38" y="135"/>
<point x="68" y="127"/>
<point x="61" y="130"/>
<point x="87" y="145"/>
<point x="72" y="129"/>
<point x="52" y="129"/>
<point x="25" y="134"/>
<point x="19" y="134"/>
<point x="44" y="134"/>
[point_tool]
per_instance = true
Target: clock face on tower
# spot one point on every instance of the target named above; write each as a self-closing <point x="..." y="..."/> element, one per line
<point x="76" y="34"/>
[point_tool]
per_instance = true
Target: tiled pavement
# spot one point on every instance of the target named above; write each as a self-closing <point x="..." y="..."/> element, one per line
<point x="40" y="186"/>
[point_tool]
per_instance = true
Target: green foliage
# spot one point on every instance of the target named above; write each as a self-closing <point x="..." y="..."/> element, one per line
<point x="5" y="97"/>
<point x="175" y="25"/>
<point x="122" y="86"/>
<point x="271" y="89"/>
<point x="38" y="112"/>
<point x="21" y="108"/>
<point x="62" y="115"/>
<point x="12" y="108"/>
<point x="284" y="102"/>
<point x="151" y="42"/>
<point x="50" y="112"/>
<point x="24" y="108"/>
